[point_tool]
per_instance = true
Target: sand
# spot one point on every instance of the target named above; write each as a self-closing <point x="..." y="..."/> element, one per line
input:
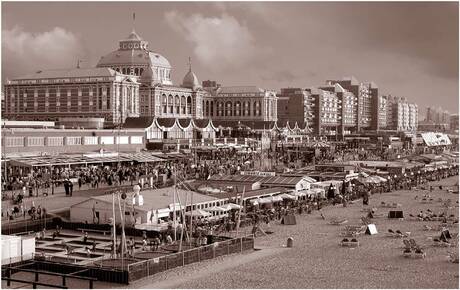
<point x="317" y="260"/>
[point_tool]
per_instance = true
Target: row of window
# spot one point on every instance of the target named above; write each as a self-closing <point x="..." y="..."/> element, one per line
<point x="57" y="81"/>
<point x="71" y="140"/>
<point x="229" y="109"/>
<point x="51" y="92"/>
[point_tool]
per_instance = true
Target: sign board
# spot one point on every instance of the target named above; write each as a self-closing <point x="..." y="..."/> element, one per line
<point x="371" y="229"/>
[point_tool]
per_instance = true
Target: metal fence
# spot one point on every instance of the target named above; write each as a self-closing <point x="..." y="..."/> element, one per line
<point x="152" y="266"/>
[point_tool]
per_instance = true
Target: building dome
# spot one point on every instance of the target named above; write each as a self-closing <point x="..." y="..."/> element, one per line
<point x="134" y="58"/>
<point x="134" y="36"/>
<point x="190" y="80"/>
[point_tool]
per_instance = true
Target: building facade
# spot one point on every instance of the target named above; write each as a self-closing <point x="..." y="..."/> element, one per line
<point x="57" y="141"/>
<point x="454" y="123"/>
<point x="242" y="103"/>
<point x="294" y="105"/>
<point x="82" y="93"/>
<point x="158" y="96"/>
<point x="366" y="100"/>
<point x="326" y="112"/>
<point x="401" y="115"/>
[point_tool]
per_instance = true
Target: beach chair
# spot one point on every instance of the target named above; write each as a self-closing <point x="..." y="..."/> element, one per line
<point x="407" y="249"/>
<point x="365" y="220"/>
<point x="397" y="234"/>
<point x="415" y="250"/>
<point x="337" y="221"/>
<point x="353" y="231"/>
<point x="353" y="243"/>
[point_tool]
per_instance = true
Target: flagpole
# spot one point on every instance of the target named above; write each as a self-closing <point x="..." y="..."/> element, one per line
<point x="191" y="217"/>
<point x="114" y="227"/>
<point x="174" y="205"/>
<point x="239" y="212"/>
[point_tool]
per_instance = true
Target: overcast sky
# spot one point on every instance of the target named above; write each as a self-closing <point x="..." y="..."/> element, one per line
<point x="408" y="49"/>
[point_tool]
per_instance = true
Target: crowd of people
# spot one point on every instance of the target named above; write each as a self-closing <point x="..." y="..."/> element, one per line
<point x="19" y="184"/>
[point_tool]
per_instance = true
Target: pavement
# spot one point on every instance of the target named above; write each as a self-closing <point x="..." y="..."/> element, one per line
<point x="54" y="203"/>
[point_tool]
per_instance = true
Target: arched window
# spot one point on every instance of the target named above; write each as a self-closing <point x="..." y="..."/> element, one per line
<point x="136" y="71"/>
<point x="164" y="104"/>
<point x="259" y="108"/>
<point x="237" y="108"/>
<point x="189" y="105"/>
<point x="182" y="103"/>
<point x="228" y="109"/>
<point x="220" y="109"/>
<point x="254" y="109"/>
<point x="171" y="104"/>
<point x="207" y="108"/>
<point x="177" y="104"/>
<point x="141" y="71"/>
<point x="212" y="108"/>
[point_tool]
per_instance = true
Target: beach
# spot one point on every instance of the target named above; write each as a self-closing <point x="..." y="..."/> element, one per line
<point x="318" y="261"/>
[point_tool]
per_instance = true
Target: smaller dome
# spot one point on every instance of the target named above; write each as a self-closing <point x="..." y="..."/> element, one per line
<point x="191" y="81"/>
<point x="134" y="36"/>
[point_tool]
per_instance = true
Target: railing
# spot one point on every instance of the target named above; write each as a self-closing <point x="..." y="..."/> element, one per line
<point x="150" y="267"/>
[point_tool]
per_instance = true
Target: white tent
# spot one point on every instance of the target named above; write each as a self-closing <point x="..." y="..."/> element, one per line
<point x="230" y="206"/>
<point x="288" y="196"/>
<point x="198" y="213"/>
<point x="216" y="209"/>
<point x="276" y="198"/>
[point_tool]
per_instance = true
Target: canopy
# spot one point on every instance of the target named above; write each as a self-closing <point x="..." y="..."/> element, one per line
<point x="276" y="198"/>
<point x="216" y="208"/>
<point x="305" y="192"/>
<point x="287" y="196"/>
<point x="318" y="192"/>
<point x="230" y="206"/>
<point x="319" y="144"/>
<point x="198" y="213"/>
<point x="264" y="200"/>
<point x="380" y="178"/>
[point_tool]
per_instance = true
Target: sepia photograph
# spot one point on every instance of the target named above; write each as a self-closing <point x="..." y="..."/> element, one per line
<point x="229" y="145"/>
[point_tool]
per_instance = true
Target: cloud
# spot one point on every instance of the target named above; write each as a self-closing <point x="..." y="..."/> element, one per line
<point x="220" y="43"/>
<point x="23" y="52"/>
<point x="280" y="76"/>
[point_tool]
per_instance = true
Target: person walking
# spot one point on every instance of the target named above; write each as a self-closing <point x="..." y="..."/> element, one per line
<point x="70" y="187"/>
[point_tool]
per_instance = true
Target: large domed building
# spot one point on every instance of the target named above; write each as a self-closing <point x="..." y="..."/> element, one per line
<point x="133" y="57"/>
<point x="158" y="97"/>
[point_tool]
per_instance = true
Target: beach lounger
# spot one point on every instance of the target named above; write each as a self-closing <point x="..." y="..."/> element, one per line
<point x="397" y="234"/>
<point x="338" y="221"/>
<point x="353" y="231"/>
<point x="353" y="243"/>
<point x="415" y="250"/>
